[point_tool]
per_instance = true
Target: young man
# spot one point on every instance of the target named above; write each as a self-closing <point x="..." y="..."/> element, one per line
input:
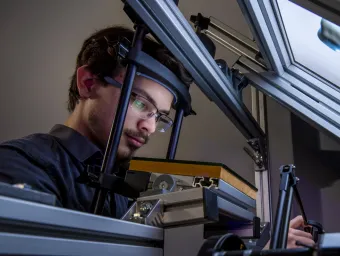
<point x="53" y="162"/>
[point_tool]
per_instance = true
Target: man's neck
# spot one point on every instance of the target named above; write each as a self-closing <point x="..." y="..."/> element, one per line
<point x="77" y="123"/>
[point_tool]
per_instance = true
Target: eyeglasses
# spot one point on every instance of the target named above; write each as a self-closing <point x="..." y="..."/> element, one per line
<point x="142" y="107"/>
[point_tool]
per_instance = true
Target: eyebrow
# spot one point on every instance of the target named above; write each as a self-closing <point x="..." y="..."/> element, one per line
<point x="149" y="98"/>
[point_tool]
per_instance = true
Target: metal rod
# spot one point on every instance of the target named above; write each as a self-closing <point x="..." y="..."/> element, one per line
<point x="229" y="34"/>
<point x="232" y="48"/>
<point x="109" y="161"/>
<point x="247" y="67"/>
<point x="176" y="130"/>
<point x="222" y="42"/>
<point x="298" y="198"/>
<point x="274" y="241"/>
<point x="262" y="193"/>
<point x="281" y="223"/>
<point x="286" y="220"/>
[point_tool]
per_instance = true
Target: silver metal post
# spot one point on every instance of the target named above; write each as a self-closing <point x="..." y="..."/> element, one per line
<point x="263" y="201"/>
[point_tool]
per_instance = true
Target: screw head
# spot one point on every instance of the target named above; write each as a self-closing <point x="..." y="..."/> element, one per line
<point x="145" y="207"/>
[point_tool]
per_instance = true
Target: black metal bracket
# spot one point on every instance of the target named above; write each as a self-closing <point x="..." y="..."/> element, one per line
<point x="94" y="178"/>
<point x="315" y="229"/>
<point x="238" y="80"/>
<point x="200" y="21"/>
<point x="264" y="236"/>
<point x="256" y="154"/>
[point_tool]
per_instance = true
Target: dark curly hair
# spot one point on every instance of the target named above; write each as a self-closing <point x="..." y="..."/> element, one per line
<point x="99" y="53"/>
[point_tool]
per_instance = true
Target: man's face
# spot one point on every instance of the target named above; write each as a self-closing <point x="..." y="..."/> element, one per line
<point x="136" y="130"/>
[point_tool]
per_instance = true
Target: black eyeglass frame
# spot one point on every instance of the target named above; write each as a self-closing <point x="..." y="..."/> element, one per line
<point x="115" y="83"/>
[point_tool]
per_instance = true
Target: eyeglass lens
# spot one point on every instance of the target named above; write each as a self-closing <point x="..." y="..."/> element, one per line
<point x="145" y="109"/>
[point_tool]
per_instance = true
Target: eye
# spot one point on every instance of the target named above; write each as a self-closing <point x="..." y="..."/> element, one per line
<point x="139" y="104"/>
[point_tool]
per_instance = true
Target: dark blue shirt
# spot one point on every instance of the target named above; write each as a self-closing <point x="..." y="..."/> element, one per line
<point x="51" y="163"/>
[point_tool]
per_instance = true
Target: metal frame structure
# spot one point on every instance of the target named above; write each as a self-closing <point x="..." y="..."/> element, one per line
<point x="178" y="36"/>
<point x="168" y="24"/>
<point x="277" y="75"/>
<point x="249" y="56"/>
<point x="304" y="93"/>
<point x="298" y="89"/>
<point x="42" y="227"/>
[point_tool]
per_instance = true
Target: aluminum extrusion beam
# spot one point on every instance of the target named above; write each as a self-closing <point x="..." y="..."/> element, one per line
<point x="249" y="9"/>
<point x="28" y="216"/>
<point x="235" y="193"/>
<point x="301" y="104"/>
<point x="189" y="205"/>
<point x="169" y="25"/>
<point x="20" y="244"/>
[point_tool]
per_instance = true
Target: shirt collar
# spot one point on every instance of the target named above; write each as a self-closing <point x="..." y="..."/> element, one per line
<point x="75" y="143"/>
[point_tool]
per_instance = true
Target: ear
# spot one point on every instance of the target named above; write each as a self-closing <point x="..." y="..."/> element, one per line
<point x="85" y="82"/>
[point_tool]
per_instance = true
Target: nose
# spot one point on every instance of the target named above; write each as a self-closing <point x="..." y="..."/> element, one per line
<point x="148" y="125"/>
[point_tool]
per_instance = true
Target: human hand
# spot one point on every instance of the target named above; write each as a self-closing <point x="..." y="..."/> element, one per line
<point x="296" y="234"/>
